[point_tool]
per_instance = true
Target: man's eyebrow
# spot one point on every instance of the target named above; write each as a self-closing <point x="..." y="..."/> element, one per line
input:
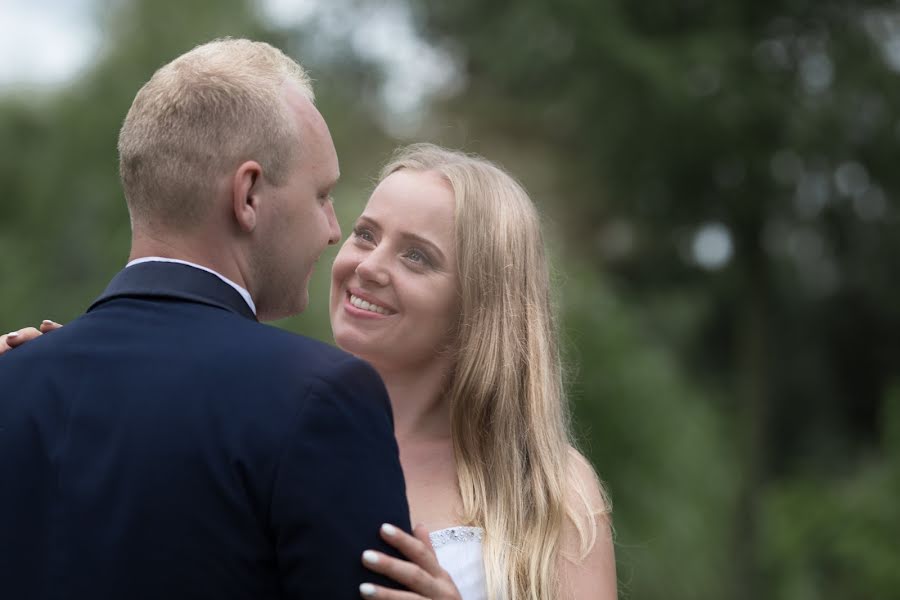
<point x="407" y="236"/>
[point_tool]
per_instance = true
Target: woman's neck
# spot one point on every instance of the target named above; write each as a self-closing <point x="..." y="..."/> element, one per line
<point x="418" y="401"/>
<point x="422" y="427"/>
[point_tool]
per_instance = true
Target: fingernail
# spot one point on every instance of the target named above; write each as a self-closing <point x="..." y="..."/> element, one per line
<point x="12" y="335"/>
<point x="370" y="557"/>
<point x="367" y="589"/>
<point x="49" y="322"/>
<point x="388" y="529"/>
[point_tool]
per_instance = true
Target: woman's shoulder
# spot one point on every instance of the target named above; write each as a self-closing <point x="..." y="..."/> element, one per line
<point x="588" y="510"/>
<point x="585" y="492"/>
<point x="588" y="567"/>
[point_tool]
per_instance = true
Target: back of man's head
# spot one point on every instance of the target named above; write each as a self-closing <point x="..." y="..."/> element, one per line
<point x="197" y="119"/>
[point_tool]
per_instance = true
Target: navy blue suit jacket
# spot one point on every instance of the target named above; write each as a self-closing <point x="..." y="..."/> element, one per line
<point x="165" y="445"/>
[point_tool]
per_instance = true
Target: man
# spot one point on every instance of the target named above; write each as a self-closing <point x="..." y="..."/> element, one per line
<point x="165" y="444"/>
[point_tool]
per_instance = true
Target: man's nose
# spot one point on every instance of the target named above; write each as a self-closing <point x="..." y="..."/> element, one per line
<point x="334" y="229"/>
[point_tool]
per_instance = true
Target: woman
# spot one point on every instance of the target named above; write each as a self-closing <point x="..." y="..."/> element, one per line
<point x="443" y="287"/>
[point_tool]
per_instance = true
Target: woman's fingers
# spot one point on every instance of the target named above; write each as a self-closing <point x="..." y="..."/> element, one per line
<point x="421" y="533"/>
<point x="48" y="325"/>
<point x="17" y="338"/>
<point x="4" y="347"/>
<point x="416" y="548"/>
<point x="422" y="573"/>
<point x="370" y="590"/>
<point x="404" y="572"/>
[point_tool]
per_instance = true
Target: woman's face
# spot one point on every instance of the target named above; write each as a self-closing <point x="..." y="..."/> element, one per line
<point x="394" y="298"/>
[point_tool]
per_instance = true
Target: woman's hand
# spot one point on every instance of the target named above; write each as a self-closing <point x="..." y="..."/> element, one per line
<point x="422" y="573"/>
<point x="17" y="338"/>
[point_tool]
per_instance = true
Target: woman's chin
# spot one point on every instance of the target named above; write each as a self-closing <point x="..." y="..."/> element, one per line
<point x="354" y="345"/>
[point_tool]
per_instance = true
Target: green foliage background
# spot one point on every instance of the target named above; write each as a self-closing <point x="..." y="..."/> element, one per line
<point x="746" y="418"/>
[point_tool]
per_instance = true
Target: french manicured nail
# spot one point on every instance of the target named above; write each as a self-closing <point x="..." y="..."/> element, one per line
<point x="12" y="335"/>
<point x="367" y="590"/>
<point x="388" y="529"/>
<point x="370" y="557"/>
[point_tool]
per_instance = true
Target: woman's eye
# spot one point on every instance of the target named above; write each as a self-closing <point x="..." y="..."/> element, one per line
<point x="363" y="234"/>
<point x="417" y="256"/>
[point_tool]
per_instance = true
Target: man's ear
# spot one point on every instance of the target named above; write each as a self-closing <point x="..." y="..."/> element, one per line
<point x="246" y="190"/>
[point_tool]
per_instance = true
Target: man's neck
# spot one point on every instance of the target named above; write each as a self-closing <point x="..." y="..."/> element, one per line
<point x="205" y="253"/>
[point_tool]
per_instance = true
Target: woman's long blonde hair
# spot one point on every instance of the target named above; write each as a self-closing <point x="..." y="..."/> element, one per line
<point x="510" y="423"/>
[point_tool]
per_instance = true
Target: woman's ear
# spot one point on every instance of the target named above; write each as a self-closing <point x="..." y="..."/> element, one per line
<point x="246" y="195"/>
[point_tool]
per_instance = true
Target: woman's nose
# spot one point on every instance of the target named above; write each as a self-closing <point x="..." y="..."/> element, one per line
<point x="372" y="268"/>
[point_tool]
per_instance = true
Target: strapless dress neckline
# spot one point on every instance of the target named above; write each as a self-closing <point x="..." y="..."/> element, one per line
<point x="457" y="533"/>
<point x="458" y="551"/>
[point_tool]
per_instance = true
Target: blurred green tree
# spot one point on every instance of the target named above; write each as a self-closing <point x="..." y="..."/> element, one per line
<point x="836" y="537"/>
<point x="66" y="227"/>
<point x="658" y="442"/>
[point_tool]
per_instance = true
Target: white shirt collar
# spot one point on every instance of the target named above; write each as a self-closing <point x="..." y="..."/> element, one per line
<point x="244" y="293"/>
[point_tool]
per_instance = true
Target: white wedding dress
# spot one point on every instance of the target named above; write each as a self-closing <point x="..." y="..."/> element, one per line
<point x="458" y="550"/>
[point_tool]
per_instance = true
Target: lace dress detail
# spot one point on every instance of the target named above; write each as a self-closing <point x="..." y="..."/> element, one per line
<point x="458" y="551"/>
<point x="442" y="537"/>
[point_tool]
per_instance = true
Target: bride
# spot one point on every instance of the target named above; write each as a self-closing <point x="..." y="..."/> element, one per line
<point x="443" y="287"/>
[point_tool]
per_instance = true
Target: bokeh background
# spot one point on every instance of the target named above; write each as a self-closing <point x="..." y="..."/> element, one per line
<point x="719" y="186"/>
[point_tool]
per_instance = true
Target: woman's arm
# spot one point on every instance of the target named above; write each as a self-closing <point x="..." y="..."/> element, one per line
<point x="592" y="575"/>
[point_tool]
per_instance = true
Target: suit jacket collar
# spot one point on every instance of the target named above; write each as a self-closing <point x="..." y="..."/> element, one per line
<point x="174" y="281"/>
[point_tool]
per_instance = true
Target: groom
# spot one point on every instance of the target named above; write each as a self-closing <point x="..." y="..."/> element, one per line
<point x="165" y="444"/>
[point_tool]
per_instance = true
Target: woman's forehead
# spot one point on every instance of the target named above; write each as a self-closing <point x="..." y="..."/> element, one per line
<point x="420" y="200"/>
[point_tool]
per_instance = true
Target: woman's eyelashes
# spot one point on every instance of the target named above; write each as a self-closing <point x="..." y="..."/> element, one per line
<point x="364" y="234"/>
<point x="418" y="257"/>
<point x="415" y="257"/>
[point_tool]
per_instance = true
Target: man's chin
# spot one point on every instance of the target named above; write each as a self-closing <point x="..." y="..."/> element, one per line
<point x="266" y="313"/>
<point x="300" y="305"/>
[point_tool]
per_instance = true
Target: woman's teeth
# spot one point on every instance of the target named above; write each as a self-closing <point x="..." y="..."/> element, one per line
<point x="360" y="303"/>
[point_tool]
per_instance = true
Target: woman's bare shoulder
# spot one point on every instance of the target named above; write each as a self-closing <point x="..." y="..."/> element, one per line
<point x="584" y="486"/>
<point x="587" y="565"/>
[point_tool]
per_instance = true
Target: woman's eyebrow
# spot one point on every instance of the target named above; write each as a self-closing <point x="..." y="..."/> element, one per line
<point x="424" y="242"/>
<point x="368" y="221"/>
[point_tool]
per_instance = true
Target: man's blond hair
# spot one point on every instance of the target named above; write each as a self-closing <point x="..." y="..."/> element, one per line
<point x="197" y="119"/>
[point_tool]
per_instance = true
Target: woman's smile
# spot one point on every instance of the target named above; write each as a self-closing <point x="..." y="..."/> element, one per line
<point x="370" y="307"/>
